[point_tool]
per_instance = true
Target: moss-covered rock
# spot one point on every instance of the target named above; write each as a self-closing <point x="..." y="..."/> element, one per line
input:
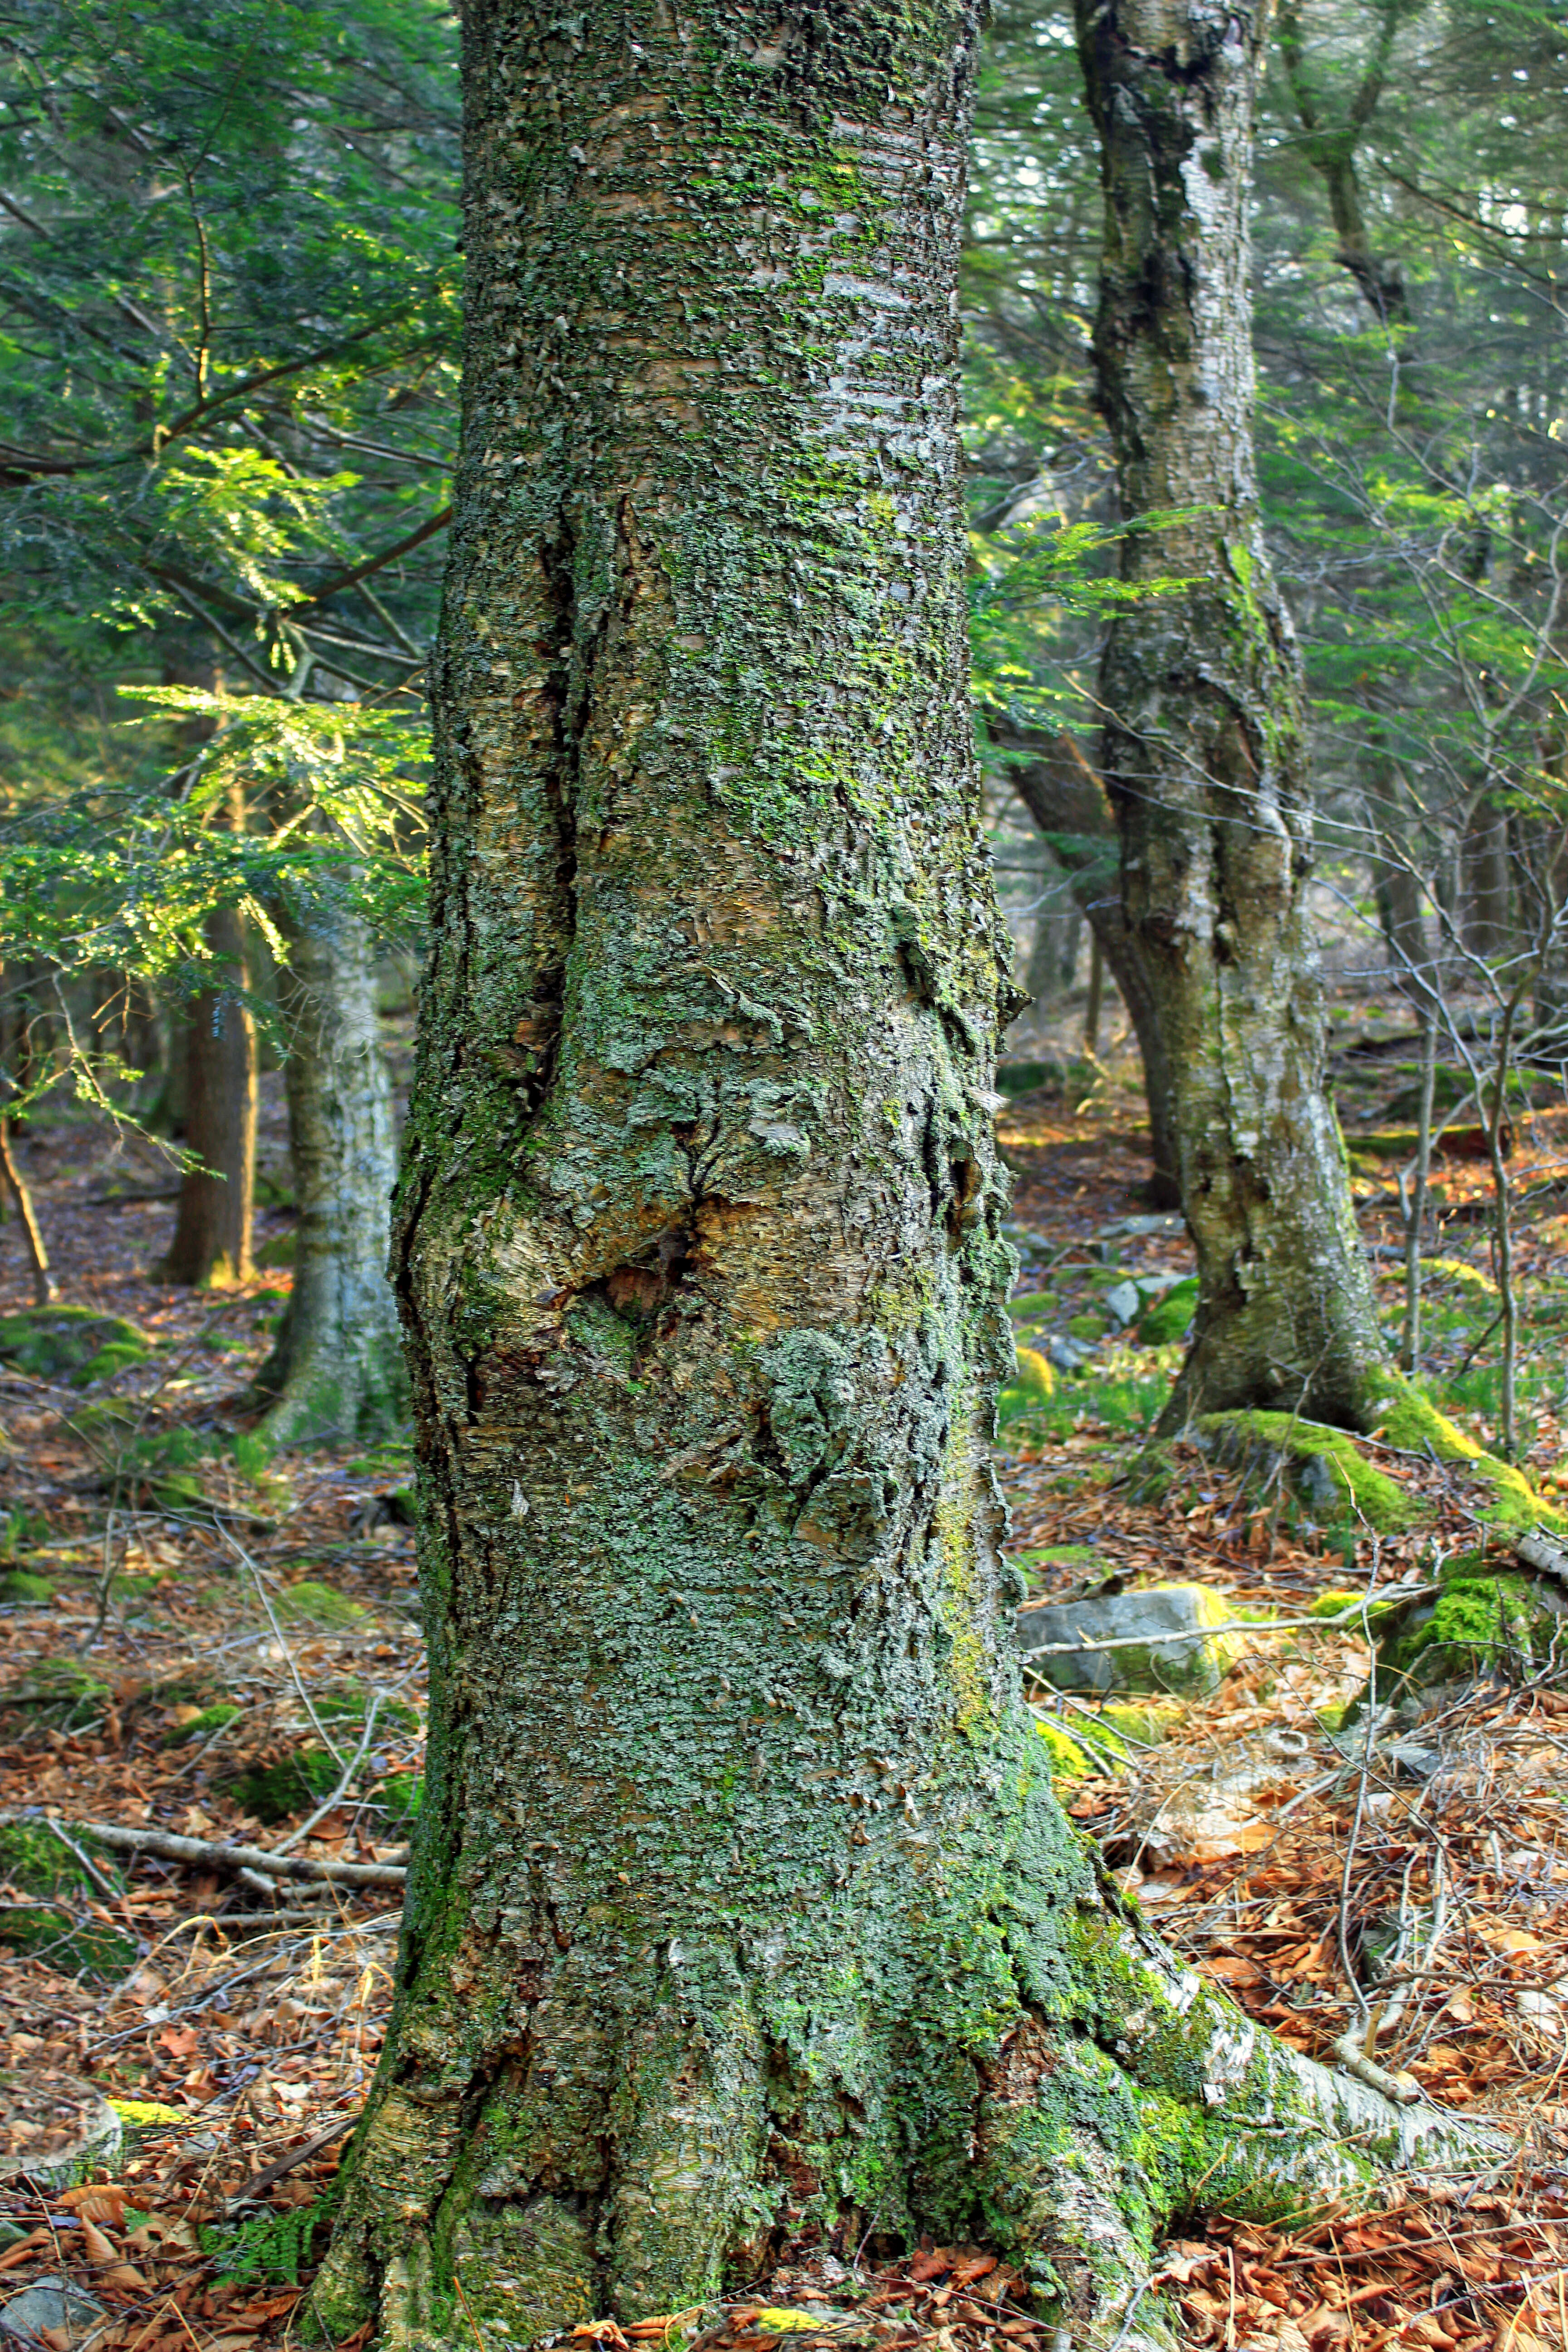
<point x="73" y="1345"/>
<point x="1162" y="1638"/>
<point x="1326" y="1466"/>
<point x="1487" y="1618"/>
<point x="310" y="1603"/>
<point x="1397" y="1412"/>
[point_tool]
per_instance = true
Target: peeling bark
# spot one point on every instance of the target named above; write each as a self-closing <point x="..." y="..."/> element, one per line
<point x="740" y="1901"/>
<point x="1204" y="748"/>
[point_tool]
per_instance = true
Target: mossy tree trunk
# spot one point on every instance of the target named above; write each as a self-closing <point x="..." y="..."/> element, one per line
<point x="740" y="1901"/>
<point x="1203" y="747"/>
<point x="337" y="1369"/>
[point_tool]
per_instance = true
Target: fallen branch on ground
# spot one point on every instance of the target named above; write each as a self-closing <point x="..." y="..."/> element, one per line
<point x="239" y="1858"/>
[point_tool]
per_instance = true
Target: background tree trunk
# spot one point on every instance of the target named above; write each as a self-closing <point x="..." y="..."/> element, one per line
<point x="1203" y="753"/>
<point x="337" y="1369"/>
<point x="740" y="1898"/>
<point x="1067" y="800"/>
<point x="212" y="1217"/>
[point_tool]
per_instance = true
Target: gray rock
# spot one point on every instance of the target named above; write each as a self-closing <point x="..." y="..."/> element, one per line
<point x="1066" y="1355"/>
<point x="1124" y="1300"/>
<point x="1170" y="1643"/>
<point x="53" y="2127"/>
<point x="56" y="2305"/>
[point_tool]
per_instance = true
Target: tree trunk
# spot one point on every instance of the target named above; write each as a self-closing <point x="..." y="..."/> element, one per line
<point x="1490" y="928"/>
<point x="1052" y="968"/>
<point x="45" y="1289"/>
<point x="740" y="1901"/>
<point x="337" y="1369"/>
<point x="1204" y="749"/>
<point x="212" y="1218"/>
<point x="1067" y="800"/>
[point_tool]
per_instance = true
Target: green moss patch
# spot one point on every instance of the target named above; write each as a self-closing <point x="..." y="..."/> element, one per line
<point x="21" y="1589"/>
<point x="49" y="1887"/>
<point x="1327" y="1467"/>
<point x="310" y="1603"/>
<point x="1400" y="1415"/>
<point x="401" y="1794"/>
<point x="1070" y="1761"/>
<point x="1504" y="1624"/>
<point x="1167" y="1320"/>
<point x="201" y="1727"/>
<point x="56" y="1693"/>
<point x="73" y="1345"/>
<point x="294" y="1784"/>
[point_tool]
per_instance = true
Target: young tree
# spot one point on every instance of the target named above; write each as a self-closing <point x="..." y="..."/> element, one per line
<point x="211" y="1242"/>
<point x="739" y="1897"/>
<point x="1205" y="747"/>
<point x="337" y="1368"/>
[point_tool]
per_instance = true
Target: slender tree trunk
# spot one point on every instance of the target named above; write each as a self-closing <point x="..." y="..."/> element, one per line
<point x="1067" y="800"/>
<point x="740" y="1900"/>
<point x="337" y="1369"/>
<point x="44" y="1290"/>
<point x="1489" y="925"/>
<point x="1203" y="753"/>
<point x="1053" y="949"/>
<point x="212" y="1218"/>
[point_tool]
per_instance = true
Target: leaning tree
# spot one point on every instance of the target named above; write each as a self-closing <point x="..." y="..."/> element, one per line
<point x="1204" y="741"/>
<point x="740" y="1902"/>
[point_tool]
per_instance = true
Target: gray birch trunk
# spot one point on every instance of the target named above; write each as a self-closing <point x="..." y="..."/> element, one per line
<point x="1204" y="749"/>
<point x="336" y="1372"/>
<point x="740" y="1902"/>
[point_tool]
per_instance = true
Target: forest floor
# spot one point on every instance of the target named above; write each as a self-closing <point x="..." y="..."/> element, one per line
<point x="196" y="1642"/>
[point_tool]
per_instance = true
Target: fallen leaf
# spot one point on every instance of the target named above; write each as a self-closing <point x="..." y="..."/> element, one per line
<point x="101" y="2202"/>
<point x="1511" y="1939"/>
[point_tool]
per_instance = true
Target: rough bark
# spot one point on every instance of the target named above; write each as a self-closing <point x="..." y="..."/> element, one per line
<point x="211" y="1242"/>
<point x="740" y="1900"/>
<point x="1067" y="800"/>
<point x="337" y="1369"/>
<point x="1204" y="748"/>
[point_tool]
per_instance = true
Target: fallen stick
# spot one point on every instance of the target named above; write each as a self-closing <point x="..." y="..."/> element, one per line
<point x="170" y="1848"/>
<point x="298" y="2156"/>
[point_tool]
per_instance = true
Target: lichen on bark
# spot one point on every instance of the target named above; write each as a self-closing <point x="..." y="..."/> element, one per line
<point x="336" y="1368"/>
<point x="1204" y="749"/>
<point x="740" y="1902"/>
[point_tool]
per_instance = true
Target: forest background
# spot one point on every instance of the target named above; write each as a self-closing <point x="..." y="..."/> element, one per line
<point x="228" y="388"/>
